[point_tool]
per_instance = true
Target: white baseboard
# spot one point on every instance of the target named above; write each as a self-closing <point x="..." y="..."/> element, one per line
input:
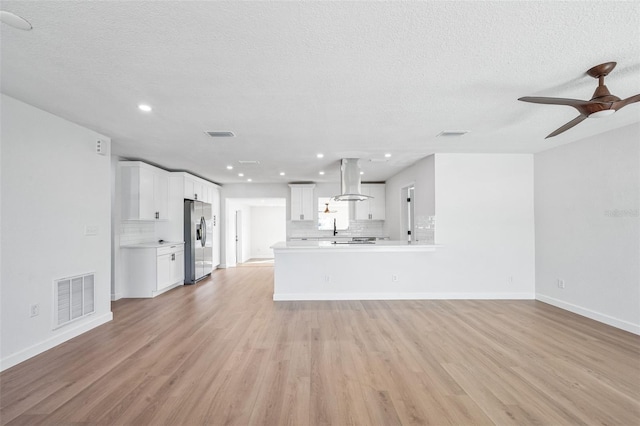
<point x="164" y="290"/>
<point x="401" y="296"/>
<point x="53" y="341"/>
<point x="116" y="296"/>
<point x="597" y="316"/>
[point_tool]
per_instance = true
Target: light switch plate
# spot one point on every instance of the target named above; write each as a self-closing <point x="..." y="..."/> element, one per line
<point x="91" y="230"/>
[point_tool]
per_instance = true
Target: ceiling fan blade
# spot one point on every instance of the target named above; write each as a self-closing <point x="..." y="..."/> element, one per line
<point x="624" y="102"/>
<point x="567" y="126"/>
<point x="583" y="107"/>
<point x="554" y="101"/>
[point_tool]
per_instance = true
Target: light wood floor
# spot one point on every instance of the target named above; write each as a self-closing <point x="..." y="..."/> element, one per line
<point x="222" y="352"/>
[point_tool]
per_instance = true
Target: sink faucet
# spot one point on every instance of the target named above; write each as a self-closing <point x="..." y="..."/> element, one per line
<point x="335" y="228"/>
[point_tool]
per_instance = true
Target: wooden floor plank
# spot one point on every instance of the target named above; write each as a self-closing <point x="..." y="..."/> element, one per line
<point x="223" y="352"/>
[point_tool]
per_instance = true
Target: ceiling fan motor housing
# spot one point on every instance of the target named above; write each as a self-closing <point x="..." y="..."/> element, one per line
<point x="602" y="94"/>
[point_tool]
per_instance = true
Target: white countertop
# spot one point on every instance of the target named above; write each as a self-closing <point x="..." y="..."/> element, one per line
<point x="154" y="244"/>
<point x="336" y="238"/>
<point x="328" y="246"/>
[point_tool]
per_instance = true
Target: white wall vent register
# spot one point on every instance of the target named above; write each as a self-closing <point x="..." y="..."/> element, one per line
<point x="74" y="298"/>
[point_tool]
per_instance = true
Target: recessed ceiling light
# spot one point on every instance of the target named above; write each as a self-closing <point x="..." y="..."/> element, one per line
<point x="447" y="133"/>
<point x="241" y="174"/>
<point x="281" y="173"/>
<point x="387" y="155"/>
<point x="221" y="134"/>
<point x="321" y="173"/>
<point x="144" y="107"/>
<point x="320" y="155"/>
<point x="14" y="20"/>
<point x="229" y="167"/>
<point x="361" y="173"/>
<point x="249" y="180"/>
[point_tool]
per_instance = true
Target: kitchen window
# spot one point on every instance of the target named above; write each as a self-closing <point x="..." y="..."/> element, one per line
<point x="330" y="210"/>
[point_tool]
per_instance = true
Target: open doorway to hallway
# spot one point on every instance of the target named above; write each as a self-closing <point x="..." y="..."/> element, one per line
<point x="255" y="225"/>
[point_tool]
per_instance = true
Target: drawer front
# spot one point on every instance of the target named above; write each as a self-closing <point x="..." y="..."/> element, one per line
<point x="169" y="249"/>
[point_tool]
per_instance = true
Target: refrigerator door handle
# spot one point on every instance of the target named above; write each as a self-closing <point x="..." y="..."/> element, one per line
<point x="203" y="230"/>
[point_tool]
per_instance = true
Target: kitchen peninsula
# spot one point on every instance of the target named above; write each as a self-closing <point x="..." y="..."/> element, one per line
<point x="326" y="270"/>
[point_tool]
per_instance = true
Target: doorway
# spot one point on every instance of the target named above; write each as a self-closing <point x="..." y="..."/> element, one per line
<point x="252" y="226"/>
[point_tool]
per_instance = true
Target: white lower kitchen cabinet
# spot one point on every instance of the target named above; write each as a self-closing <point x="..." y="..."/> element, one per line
<point x="152" y="269"/>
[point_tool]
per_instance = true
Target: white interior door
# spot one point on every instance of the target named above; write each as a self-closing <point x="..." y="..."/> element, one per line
<point x="238" y="236"/>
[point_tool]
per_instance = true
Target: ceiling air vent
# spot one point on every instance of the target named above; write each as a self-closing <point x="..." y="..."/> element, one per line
<point x="221" y="134"/>
<point x="249" y="162"/>
<point x="452" y="133"/>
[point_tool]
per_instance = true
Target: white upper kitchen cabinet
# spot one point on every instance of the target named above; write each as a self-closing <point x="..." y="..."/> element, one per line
<point x="302" y="202"/>
<point x="144" y="191"/>
<point x="194" y="189"/>
<point x="373" y="208"/>
<point x="187" y="186"/>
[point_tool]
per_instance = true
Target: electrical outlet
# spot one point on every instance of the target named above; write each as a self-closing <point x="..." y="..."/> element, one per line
<point x="327" y="278"/>
<point x="560" y="283"/>
<point x="34" y="310"/>
<point x="510" y="279"/>
<point x="394" y="278"/>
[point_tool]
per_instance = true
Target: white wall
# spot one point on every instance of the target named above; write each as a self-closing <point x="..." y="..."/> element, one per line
<point x="587" y="196"/>
<point x="268" y="226"/>
<point x="53" y="185"/>
<point x="484" y="221"/>
<point x="246" y="233"/>
<point x="231" y="207"/>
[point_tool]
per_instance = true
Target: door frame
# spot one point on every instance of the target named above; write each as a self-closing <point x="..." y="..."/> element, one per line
<point x="238" y="236"/>
<point x="407" y="212"/>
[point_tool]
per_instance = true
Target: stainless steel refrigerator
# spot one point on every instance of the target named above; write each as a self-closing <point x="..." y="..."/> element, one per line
<point x="198" y="238"/>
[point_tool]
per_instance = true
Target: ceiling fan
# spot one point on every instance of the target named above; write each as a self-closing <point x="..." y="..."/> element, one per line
<point x="601" y="104"/>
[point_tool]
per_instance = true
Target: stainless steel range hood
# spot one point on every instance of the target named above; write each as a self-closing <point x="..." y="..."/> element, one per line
<point x="350" y="181"/>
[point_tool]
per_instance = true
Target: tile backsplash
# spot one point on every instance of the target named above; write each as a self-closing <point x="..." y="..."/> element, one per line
<point x="425" y="227"/>
<point x="137" y="232"/>
<point x="357" y="228"/>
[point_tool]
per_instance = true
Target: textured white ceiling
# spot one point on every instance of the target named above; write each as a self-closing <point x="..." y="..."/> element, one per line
<point x="349" y="79"/>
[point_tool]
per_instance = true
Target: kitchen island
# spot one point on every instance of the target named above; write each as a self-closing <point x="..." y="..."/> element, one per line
<point x="324" y="270"/>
